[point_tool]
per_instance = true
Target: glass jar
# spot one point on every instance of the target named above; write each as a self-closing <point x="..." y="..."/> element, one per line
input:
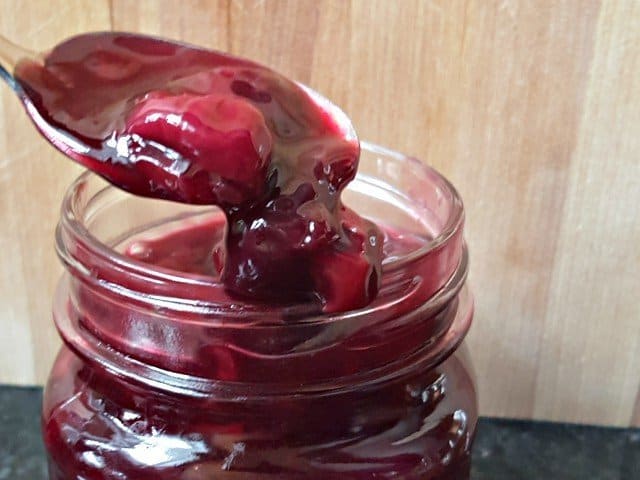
<point x="162" y="377"/>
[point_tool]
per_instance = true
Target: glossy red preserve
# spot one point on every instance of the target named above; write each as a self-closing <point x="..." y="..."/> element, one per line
<point x="171" y="121"/>
<point x="254" y="327"/>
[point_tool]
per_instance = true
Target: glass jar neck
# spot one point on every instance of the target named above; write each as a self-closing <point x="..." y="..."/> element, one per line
<point x="181" y="333"/>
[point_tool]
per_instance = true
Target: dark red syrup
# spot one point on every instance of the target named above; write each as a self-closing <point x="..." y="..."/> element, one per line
<point x="175" y="122"/>
<point x="170" y="121"/>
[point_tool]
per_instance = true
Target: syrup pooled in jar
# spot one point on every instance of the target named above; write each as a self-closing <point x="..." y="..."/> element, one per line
<point x="170" y="121"/>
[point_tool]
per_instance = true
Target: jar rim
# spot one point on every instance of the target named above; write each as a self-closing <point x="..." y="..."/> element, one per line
<point x="454" y="222"/>
<point x="140" y="372"/>
<point x="72" y="225"/>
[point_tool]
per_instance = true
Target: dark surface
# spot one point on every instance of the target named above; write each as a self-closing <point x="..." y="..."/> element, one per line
<point x="504" y="449"/>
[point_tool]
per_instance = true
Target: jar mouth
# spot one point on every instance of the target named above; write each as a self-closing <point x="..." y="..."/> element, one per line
<point x="455" y="220"/>
<point x="76" y="243"/>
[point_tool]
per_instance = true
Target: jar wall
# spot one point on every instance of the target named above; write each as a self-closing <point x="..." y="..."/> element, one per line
<point x="97" y="426"/>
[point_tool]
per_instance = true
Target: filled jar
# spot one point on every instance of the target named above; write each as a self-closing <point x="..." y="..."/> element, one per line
<point x="163" y="376"/>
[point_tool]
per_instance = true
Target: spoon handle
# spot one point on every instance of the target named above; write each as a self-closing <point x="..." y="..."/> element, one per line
<point x="10" y="55"/>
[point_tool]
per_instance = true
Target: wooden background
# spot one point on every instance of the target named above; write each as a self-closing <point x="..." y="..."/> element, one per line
<point x="532" y="108"/>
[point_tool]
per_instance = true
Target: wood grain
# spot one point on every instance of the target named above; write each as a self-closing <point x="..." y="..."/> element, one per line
<point x="593" y="307"/>
<point x="530" y="107"/>
<point x="33" y="178"/>
<point x="523" y="79"/>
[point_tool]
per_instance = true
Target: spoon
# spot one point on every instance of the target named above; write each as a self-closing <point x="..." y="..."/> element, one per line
<point x="10" y="55"/>
<point x="90" y="155"/>
<point x="82" y="94"/>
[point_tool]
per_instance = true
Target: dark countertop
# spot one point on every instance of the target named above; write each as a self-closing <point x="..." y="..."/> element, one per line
<point x="504" y="449"/>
